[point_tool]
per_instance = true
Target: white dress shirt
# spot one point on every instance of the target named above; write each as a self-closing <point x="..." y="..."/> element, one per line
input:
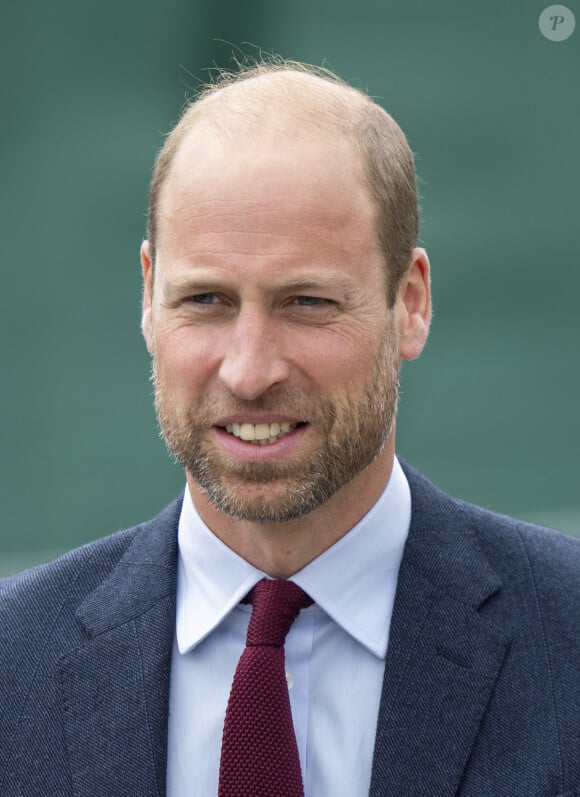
<point x="335" y="649"/>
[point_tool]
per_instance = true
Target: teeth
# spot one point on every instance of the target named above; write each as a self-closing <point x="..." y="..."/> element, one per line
<point x="260" y="433"/>
<point x="247" y="431"/>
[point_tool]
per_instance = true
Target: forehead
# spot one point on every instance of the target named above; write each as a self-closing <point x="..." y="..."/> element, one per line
<point x="277" y="168"/>
<point x="267" y="202"/>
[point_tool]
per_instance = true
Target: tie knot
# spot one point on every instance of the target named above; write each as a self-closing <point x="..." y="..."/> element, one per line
<point x="275" y="606"/>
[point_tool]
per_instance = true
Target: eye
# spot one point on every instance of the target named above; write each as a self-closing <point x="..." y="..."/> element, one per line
<point x="204" y="298"/>
<point x="311" y="301"/>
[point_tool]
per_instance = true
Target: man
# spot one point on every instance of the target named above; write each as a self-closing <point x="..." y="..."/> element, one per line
<point x="283" y="288"/>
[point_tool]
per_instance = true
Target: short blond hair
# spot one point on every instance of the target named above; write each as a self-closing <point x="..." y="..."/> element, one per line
<point x="298" y="97"/>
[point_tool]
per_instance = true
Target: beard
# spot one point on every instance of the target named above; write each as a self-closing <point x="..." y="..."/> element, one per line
<point x="353" y="432"/>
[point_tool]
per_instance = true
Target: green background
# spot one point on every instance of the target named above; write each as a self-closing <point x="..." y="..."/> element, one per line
<point x="491" y="109"/>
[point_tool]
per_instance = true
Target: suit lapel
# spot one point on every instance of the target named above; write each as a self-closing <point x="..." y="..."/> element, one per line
<point x="441" y="666"/>
<point x="443" y="658"/>
<point x="115" y="687"/>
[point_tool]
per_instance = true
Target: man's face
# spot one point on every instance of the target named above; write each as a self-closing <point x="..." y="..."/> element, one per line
<point x="267" y="319"/>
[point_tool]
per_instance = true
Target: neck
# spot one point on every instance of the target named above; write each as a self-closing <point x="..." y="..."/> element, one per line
<point x="282" y="549"/>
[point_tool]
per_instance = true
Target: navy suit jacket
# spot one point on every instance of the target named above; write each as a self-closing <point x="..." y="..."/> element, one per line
<point x="481" y="694"/>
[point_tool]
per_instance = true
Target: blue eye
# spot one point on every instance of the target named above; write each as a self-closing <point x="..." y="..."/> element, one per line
<point x="310" y="301"/>
<point x="203" y="298"/>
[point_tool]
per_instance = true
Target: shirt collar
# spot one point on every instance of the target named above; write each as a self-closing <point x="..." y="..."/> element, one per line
<point x="213" y="579"/>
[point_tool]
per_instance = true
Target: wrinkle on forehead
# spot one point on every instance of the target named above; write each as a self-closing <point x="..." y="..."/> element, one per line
<point x="242" y="220"/>
<point x="267" y="188"/>
<point x="223" y="240"/>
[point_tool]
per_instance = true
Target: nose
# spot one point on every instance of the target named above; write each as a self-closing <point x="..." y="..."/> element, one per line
<point x="253" y="360"/>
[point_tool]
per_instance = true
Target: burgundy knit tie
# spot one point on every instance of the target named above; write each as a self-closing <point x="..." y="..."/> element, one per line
<point x="259" y="753"/>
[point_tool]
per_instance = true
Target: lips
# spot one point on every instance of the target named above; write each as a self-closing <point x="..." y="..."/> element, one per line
<point x="252" y="446"/>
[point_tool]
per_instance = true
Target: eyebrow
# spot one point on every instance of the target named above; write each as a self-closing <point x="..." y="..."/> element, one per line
<point x="315" y="283"/>
<point x="206" y="284"/>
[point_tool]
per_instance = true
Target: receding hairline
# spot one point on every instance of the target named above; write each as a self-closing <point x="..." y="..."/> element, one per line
<point x="287" y="99"/>
<point x="289" y="104"/>
<point x="293" y="99"/>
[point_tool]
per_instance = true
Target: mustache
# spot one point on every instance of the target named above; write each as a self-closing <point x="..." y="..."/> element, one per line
<point x="288" y="400"/>
<point x="297" y="405"/>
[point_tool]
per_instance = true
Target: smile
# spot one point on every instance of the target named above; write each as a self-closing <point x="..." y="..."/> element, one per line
<point x="260" y="433"/>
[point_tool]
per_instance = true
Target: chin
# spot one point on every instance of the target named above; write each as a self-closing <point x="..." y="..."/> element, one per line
<point x="275" y="502"/>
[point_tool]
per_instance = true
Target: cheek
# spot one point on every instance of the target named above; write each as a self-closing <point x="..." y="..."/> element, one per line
<point x="184" y="359"/>
<point x="340" y="359"/>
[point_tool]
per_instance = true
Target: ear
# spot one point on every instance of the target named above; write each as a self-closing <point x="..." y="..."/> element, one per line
<point x="146" y="318"/>
<point x="413" y="306"/>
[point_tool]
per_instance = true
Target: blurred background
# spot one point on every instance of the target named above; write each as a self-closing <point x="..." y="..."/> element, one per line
<point x="492" y="110"/>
